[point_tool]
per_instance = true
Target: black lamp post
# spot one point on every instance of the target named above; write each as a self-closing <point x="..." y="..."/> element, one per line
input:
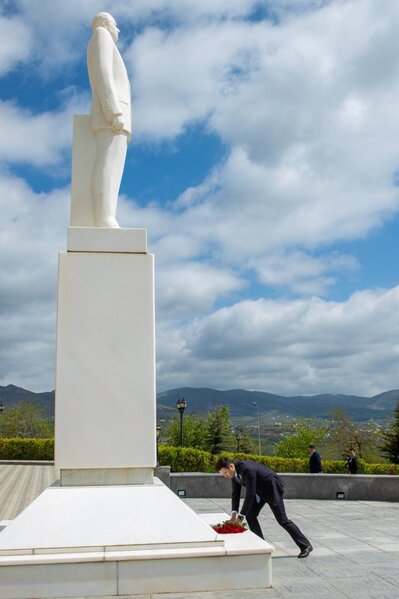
<point x="158" y="435"/>
<point x="181" y="405"/>
<point x="238" y="435"/>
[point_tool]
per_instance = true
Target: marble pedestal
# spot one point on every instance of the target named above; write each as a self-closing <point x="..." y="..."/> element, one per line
<point x="105" y="375"/>
<point x="110" y="528"/>
<point x="123" y="540"/>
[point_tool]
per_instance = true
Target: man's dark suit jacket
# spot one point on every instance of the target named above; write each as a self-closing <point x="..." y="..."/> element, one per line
<point x="315" y="463"/>
<point x="351" y="465"/>
<point x="258" y="480"/>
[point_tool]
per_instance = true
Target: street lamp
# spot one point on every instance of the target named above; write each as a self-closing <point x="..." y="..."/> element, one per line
<point x="257" y="407"/>
<point x="181" y="405"/>
<point x="158" y="435"/>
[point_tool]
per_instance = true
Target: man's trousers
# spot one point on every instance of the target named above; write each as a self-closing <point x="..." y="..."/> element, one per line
<point x="278" y="510"/>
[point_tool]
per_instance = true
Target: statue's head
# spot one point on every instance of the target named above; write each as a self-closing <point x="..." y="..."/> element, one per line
<point x="104" y="19"/>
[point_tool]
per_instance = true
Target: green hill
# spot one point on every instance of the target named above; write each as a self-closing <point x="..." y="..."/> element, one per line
<point x="240" y="401"/>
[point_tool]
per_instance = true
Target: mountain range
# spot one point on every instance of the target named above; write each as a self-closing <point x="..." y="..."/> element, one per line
<point x="240" y="402"/>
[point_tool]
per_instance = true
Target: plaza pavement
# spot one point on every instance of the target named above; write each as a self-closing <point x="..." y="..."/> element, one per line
<point x="356" y="544"/>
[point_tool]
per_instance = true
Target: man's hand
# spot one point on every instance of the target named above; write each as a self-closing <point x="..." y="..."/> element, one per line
<point x="236" y="519"/>
<point x="117" y="122"/>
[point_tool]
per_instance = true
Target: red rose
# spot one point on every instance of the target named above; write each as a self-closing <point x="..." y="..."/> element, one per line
<point x="228" y="527"/>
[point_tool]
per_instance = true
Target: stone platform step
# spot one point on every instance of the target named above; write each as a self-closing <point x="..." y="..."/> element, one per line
<point x="114" y="541"/>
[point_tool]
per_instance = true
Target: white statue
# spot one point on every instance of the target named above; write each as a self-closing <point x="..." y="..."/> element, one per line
<point x="110" y="118"/>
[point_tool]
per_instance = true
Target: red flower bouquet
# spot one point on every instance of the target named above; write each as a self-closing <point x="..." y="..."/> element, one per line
<point x="227" y="527"/>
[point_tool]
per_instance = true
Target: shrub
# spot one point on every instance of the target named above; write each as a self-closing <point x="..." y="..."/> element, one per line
<point x="195" y="460"/>
<point x="26" y="449"/>
<point x="276" y="463"/>
<point x="380" y="468"/>
<point x="186" y="459"/>
<point x="334" y="466"/>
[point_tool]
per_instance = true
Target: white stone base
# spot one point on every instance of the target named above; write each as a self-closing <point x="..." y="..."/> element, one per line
<point x="101" y="239"/>
<point x="104" y="476"/>
<point x="105" y="415"/>
<point x="96" y="541"/>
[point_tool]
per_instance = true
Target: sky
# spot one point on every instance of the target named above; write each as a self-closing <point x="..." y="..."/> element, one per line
<point x="264" y="164"/>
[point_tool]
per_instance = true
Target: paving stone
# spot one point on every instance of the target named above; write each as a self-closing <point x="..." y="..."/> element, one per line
<point x="364" y="586"/>
<point x="372" y="559"/>
<point x="284" y="570"/>
<point x="329" y="534"/>
<point x="337" y="571"/>
<point x="391" y="577"/>
<point x="356" y="544"/>
<point x="390" y="547"/>
<point x="239" y="594"/>
<point x="303" y="588"/>
<point x="385" y="569"/>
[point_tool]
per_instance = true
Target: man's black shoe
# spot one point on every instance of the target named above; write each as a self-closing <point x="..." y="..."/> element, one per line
<point x="305" y="551"/>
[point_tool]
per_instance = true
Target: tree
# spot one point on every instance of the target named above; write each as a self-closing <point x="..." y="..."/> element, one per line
<point x="25" y="420"/>
<point x="345" y="433"/>
<point x="244" y="441"/>
<point x="194" y="432"/>
<point x="342" y="432"/>
<point x="211" y="434"/>
<point x="296" y="445"/>
<point x="390" y="447"/>
<point x="219" y="437"/>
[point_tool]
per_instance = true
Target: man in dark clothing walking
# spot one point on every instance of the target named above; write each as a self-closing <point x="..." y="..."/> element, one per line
<point x="262" y="485"/>
<point x="314" y="460"/>
<point x="351" y="464"/>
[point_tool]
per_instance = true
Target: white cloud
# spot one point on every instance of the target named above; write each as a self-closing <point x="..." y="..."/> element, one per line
<point x="313" y="131"/>
<point x="309" y="110"/>
<point x="287" y="8"/>
<point x="184" y="11"/>
<point x="187" y="289"/>
<point x="27" y="347"/>
<point x="249" y="211"/>
<point x="185" y="286"/>
<point x="38" y="139"/>
<point x="181" y="76"/>
<point x="287" y="346"/>
<point x="303" y="273"/>
<point x="16" y="43"/>
<point x="33" y="231"/>
<point x="59" y="30"/>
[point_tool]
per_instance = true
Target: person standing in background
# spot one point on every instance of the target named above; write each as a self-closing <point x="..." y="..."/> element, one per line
<point x="314" y="461"/>
<point x="352" y="463"/>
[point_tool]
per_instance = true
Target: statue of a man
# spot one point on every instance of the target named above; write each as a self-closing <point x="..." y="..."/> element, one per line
<point x="110" y="117"/>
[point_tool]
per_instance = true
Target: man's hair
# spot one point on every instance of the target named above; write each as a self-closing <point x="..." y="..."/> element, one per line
<point x="312" y="446"/>
<point x="223" y="463"/>
<point x="100" y="18"/>
<point x="351" y="449"/>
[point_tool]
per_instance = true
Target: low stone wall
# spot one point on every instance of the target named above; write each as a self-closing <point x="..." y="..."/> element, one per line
<point x="359" y="487"/>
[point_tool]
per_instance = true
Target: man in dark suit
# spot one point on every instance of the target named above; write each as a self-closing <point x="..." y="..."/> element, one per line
<point x="351" y="464"/>
<point x="314" y="460"/>
<point x="263" y="486"/>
